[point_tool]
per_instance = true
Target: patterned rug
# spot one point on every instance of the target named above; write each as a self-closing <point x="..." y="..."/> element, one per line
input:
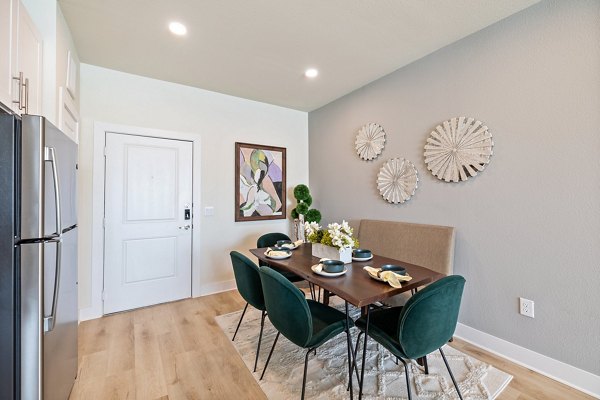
<point x="328" y="374"/>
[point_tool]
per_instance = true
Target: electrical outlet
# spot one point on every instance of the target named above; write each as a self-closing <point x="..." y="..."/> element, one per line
<point x="526" y="307"/>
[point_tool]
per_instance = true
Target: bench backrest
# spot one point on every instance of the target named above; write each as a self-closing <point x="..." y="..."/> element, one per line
<point x="429" y="246"/>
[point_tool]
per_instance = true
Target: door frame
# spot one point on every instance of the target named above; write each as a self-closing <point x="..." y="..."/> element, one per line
<point x="96" y="309"/>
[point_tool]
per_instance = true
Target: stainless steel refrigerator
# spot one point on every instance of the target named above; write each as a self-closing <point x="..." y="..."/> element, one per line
<point x="38" y="260"/>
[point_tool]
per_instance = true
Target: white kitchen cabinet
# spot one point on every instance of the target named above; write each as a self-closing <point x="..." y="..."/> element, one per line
<point x="21" y="59"/>
<point x="29" y="62"/>
<point x="7" y="23"/>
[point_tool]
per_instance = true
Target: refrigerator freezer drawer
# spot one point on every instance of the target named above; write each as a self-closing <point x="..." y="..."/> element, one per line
<point x="48" y="352"/>
<point x="60" y="344"/>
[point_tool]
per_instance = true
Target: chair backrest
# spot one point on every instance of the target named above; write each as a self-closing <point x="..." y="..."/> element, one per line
<point x="287" y="307"/>
<point x="247" y="279"/>
<point x="431" y="246"/>
<point x="270" y="239"/>
<point x="429" y="318"/>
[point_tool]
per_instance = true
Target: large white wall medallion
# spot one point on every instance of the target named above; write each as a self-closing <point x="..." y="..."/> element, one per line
<point x="397" y="180"/>
<point x="370" y="141"/>
<point x="458" y="149"/>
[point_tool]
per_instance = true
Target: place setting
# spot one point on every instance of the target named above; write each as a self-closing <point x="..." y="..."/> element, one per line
<point x="278" y="253"/>
<point x="329" y="268"/>
<point x="361" y="255"/>
<point x="288" y="244"/>
<point x="393" y="274"/>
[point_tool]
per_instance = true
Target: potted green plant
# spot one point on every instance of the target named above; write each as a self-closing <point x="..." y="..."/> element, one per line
<point x="303" y="213"/>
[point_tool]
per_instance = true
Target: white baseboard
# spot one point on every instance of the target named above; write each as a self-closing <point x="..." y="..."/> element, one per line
<point x="557" y="370"/>
<point x="217" y="287"/>
<point x="88" y="313"/>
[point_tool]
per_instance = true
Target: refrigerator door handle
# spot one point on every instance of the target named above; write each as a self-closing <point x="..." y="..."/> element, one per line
<point x="50" y="156"/>
<point x="50" y="320"/>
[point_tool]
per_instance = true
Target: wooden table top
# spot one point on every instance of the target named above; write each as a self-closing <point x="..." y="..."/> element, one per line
<point x="355" y="286"/>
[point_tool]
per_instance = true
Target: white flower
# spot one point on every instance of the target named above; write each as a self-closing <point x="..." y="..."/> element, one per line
<point x="311" y="227"/>
<point x="341" y="235"/>
<point x="346" y="228"/>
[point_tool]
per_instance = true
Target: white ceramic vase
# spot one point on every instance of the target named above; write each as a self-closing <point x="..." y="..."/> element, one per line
<point x="333" y="253"/>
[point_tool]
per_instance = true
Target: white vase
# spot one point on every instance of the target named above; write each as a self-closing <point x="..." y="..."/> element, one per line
<point x="333" y="253"/>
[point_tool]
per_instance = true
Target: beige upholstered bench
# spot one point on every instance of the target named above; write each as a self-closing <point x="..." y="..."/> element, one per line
<point x="430" y="246"/>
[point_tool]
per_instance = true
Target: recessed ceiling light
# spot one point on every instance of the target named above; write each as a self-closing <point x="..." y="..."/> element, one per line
<point x="177" y="28"/>
<point x="311" y="73"/>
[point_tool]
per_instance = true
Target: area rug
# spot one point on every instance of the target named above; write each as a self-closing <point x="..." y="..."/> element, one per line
<point x="328" y="371"/>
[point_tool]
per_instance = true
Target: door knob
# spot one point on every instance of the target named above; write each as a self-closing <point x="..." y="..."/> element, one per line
<point x="185" y="227"/>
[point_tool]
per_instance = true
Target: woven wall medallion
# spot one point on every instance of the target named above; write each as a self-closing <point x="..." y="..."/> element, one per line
<point x="397" y="180"/>
<point x="370" y="141"/>
<point x="458" y="148"/>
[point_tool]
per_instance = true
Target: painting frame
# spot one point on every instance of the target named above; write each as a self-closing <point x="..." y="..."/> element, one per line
<point x="278" y="188"/>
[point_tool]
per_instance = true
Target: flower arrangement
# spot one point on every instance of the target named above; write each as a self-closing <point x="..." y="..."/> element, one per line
<point x="336" y="235"/>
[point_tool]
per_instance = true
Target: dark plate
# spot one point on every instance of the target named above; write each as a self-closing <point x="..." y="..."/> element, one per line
<point x="333" y="266"/>
<point x="275" y="248"/>
<point x="361" y="253"/>
<point x="398" y="269"/>
<point x="281" y="242"/>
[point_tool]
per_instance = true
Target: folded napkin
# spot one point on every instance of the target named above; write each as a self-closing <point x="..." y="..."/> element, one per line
<point x="317" y="268"/>
<point x="275" y="253"/>
<point x="395" y="280"/>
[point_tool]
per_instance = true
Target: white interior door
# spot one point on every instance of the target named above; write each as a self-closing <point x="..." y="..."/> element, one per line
<point x="148" y="221"/>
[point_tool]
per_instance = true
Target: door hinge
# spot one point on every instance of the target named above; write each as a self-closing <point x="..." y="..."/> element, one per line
<point x="103" y="295"/>
<point x="104" y="151"/>
<point x="104" y="222"/>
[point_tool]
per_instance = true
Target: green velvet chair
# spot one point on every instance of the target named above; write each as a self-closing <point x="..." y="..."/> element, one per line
<point x="269" y="240"/>
<point x="304" y="322"/>
<point x="424" y="324"/>
<point x="247" y="279"/>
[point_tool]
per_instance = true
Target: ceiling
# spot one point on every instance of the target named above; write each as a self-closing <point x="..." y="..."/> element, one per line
<point x="260" y="49"/>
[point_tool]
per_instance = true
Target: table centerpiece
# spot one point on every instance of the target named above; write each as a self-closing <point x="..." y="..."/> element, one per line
<point x="335" y="242"/>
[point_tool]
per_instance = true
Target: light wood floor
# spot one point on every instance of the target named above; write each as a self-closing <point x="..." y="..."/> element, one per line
<point x="177" y="351"/>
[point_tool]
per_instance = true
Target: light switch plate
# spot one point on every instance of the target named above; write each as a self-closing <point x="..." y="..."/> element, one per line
<point x="209" y="211"/>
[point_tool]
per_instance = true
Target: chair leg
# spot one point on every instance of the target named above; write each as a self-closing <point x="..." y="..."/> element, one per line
<point x="305" y="368"/>
<point x="262" y="325"/>
<point x="407" y="378"/>
<point x="350" y="361"/>
<point x="451" y="375"/>
<point x="239" y="323"/>
<point x="269" y="357"/>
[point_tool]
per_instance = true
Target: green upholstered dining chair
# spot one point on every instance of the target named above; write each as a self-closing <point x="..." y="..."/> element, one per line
<point x="247" y="279"/>
<point x="424" y="324"/>
<point x="268" y="240"/>
<point x="304" y="322"/>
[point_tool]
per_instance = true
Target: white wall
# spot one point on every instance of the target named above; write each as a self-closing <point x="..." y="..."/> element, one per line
<point x="219" y="120"/>
<point x="529" y="225"/>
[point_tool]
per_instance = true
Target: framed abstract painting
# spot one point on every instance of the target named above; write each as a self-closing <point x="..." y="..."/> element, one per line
<point x="259" y="182"/>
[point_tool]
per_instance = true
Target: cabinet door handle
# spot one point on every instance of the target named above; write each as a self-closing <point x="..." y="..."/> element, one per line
<point x="26" y="99"/>
<point x="19" y="79"/>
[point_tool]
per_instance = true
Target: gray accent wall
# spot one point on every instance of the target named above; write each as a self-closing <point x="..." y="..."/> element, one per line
<point x="529" y="225"/>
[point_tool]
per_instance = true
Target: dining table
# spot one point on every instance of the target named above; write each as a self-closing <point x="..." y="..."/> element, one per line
<point x="355" y="286"/>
